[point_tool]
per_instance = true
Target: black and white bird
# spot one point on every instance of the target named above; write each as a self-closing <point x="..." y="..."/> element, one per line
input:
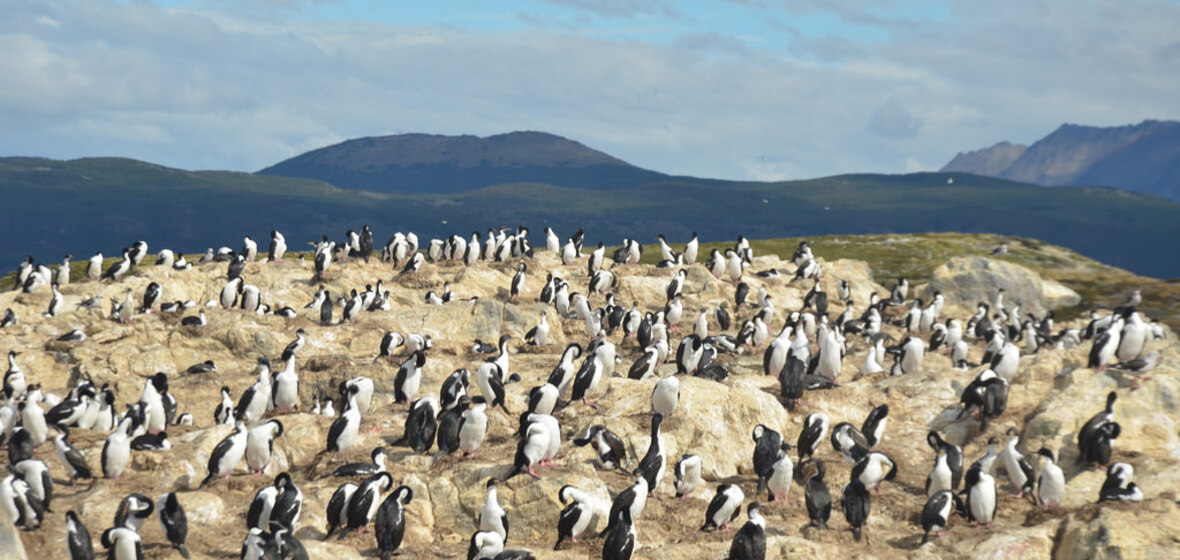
<point x="815" y="429"/>
<point x="390" y="343"/>
<point x="539" y="334"/>
<point x="1118" y="485"/>
<point x="936" y="514"/>
<point x="36" y="475"/>
<point x="337" y="513"/>
<point x="816" y="496"/>
<point x="981" y="495"/>
<point x="621" y="538"/>
<point x="120" y="267"/>
<point x="78" y="540"/>
<point x="133" y="511"/>
<point x="363" y="504"/>
<point x="116" y="452"/>
<point x="750" y="541"/>
<point x="260" y="442"/>
<point x="73" y="460"/>
<point x="344" y="429"/>
<point x="688" y="354"/>
<point x="987" y="395"/>
<point x="1051" y="481"/>
<point x="227" y="454"/>
<point x="874" y="425"/>
<point x="288" y="502"/>
<point x="575" y="517"/>
<point x="874" y="468"/>
<point x="645" y="365"/>
<point x="278" y="246"/>
<point x="15" y="382"/>
<point x="256" y="400"/>
<point x="174" y="522"/>
<point x="543" y="398"/>
<point x="122" y="544"/>
<point x="532" y="448"/>
<point x="688" y="475"/>
<point x="633" y="499"/>
<point x="195" y="321"/>
<point x="390" y="523"/>
<point x="1094" y="439"/>
<point x="1018" y="469"/>
<point x="609" y="450"/>
<point x="857" y="504"/>
<point x="954" y="459"/>
<point x="665" y="396"/>
<point x="409" y="378"/>
<point x="284" y="389"/>
<point x="725" y="506"/>
<point x="768" y="447"/>
<point x="655" y="461"/>
<point x="487" y="545"/>
<point x="376" y="465"/>
<point x="491" y="516"/>
<point x="473" y="427"/>
<point x="421" y="425"/>
<point x="778" y="484"/>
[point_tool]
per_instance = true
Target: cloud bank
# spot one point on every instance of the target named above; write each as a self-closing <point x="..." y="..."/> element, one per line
<point x="737" y="90"/>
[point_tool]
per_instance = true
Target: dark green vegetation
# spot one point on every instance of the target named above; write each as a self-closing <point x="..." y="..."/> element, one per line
<point x="82" y="206"/>
<point x="436" y="164"/>
<point x="1142" y="158"/>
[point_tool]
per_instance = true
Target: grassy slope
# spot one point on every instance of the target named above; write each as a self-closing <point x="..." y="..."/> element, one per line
<point x="916" y="256"/>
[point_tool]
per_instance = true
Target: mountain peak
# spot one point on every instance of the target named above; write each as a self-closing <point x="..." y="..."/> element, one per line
<point x="989" y="161"/>
<point x="1142" y="157"/>
<point x="420" y="163"/>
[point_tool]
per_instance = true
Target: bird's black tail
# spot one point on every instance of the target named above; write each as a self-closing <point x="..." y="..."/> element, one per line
<point x="183" y="551"/>
<point x="925" y="537"/>
<point x="856" y="534"/>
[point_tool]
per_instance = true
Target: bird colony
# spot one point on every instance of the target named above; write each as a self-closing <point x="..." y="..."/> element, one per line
<point x="481" y="398"/>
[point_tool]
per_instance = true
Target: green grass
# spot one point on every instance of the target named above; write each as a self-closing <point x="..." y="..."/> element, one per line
<point x="915" y="256"/>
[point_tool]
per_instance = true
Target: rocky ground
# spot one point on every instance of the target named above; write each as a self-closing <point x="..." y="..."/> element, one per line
<point x="1053" y="395"/>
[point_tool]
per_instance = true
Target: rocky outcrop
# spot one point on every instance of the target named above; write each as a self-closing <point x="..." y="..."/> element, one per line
<point x="1052" y="394"/>
<point x="967" y="280"/>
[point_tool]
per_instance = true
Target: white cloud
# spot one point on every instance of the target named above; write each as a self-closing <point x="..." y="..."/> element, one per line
<point x="219" y="88"/>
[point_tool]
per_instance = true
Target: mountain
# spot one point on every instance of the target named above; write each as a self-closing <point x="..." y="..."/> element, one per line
<point x="436" y="164"/>
<point x="94" y="204"/>
<point x="988" y="161"/>
<point x="1141" y="158"/>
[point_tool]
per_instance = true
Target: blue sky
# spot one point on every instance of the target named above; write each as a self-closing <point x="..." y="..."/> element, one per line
<point x="739" y="89"/>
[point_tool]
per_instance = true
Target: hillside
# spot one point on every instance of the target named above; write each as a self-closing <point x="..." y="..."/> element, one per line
<point x="1141" y="158"/>
<point x="1052" y="396"/>
<point x="82" y="206"/>
<point x="990" y="161"/>
<point x="436" y="164"/>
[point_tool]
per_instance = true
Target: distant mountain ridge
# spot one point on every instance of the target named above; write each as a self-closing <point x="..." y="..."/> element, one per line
<point x="84" y="205"/>
<point x="438" y="164"/>
<point x="1142" y="158"/>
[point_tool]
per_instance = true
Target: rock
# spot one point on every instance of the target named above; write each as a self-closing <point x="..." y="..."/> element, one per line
<point x="1018" y="543"/>
<point x="1128" y="531"/>
<point x="1051" y="396"/>
<point x="966" y="280"/>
